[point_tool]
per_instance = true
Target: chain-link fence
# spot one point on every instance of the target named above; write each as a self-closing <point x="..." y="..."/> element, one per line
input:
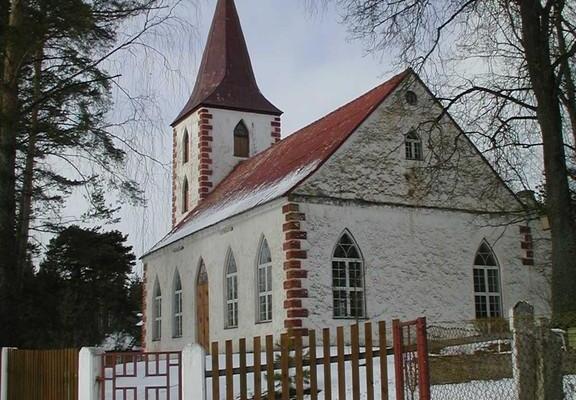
<point x="471" y="360"/>
<point x="569" y="372"/>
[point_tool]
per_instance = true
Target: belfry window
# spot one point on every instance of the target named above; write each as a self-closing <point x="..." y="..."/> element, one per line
<point x="177" y="307"/>
<point x="264" y="282"/>
<point x="241" y="140"/>
<point x="185" y="194"/>
<point x="487" y="298"/>
<point x="413" y="145"/>
<point x="157" y="312"/>
<point x="347" y="279"/>
<point x="231" y="291"/>
<point x="185" y="147"/>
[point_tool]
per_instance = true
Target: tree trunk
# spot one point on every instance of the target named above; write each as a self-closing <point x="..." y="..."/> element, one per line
<point x="25" y="208"/>
<point x="13" y="53"/>
<point x="569" y="88"/>
<point x="535" y="36"/>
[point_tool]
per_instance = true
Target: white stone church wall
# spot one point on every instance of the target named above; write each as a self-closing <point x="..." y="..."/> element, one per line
<point x="418" y="262"/>
<point x="242" y="234"/>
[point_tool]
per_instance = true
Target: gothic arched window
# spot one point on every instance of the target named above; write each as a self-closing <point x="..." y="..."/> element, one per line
<point x="177" y="306"/>
<point x="487" y="298"/>
<point x="185" y="194"/>
<point x="413" y="145"/>
<point x="348" y="279"/>
<point x="241" y="140"/>
<point x="231" y="291"/>
<point x="185" y="147"/>
<point x="157" y="312"/>
<point x="264" y="282"/>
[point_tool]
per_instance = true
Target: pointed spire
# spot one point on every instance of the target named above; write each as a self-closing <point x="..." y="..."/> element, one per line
<point x="225" y="78"/>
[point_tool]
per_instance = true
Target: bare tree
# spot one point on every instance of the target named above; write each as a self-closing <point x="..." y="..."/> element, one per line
<point x="54" y="98"/>
<point x="506" y="68"/>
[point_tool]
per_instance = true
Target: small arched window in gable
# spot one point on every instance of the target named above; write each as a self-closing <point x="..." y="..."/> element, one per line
<point x="348" y="279"/>
<point x="177" y="307"/>
<point x="185" y="195"/>
<point x="185" y="147"/>
<point x="264" y="282"/>
<point x="157" y="312"/>
<point x="241" y="140"/>
<point x="487" y="296"/>
<point x="231" y="291"/>
<point x="413" y="146"/>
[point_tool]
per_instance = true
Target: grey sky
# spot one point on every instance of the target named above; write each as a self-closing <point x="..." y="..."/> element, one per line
<point x="303" y="63"/>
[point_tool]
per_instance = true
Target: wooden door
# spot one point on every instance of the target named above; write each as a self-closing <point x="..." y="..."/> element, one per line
<point x="202" y="308"/>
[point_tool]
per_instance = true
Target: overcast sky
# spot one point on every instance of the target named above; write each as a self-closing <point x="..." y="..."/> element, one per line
<point x="303" y="63"/>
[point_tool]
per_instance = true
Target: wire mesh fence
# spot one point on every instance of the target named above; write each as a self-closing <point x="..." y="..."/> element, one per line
<point x="569" y="373"/>
<point x="471" y="360"/>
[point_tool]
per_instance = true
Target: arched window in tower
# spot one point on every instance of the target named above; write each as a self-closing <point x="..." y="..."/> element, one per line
<point x="177" y="307"/>
<point x="348" y="279"/>
<point x="264" y="282"/>
<point x="413" y="145"/>
<point x="241" y="140"/>
<point x="185" y="195"/>
<point x="231" y="291"/>
<point x="487" y="298"/>
<point x="185" y="147"/>
<point x="157" y="312"/>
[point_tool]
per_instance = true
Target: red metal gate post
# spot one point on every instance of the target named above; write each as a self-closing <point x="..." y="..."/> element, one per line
<point x="398" y="358"/>
<point x="423" y="367"/>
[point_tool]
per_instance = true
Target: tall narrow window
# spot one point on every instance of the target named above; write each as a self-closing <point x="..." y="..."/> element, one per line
<point x="185" y="147"/>
<point x="264" y="283"/>
<point x="177" y="307"/>
<point x="413" y="145"/>
<point x="487" y="301"/>
<point x="185" y="194"/>
<point x="241" y="140"/>
<point x="347" y="279"/>
<point x="157" y="312"/>
<point x="231" y="291"/>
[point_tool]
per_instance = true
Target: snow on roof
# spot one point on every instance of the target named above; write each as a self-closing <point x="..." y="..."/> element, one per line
<point x="279" y="169"/>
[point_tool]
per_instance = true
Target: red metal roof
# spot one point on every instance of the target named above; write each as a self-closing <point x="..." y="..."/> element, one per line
<point x="276" y="171"/>
<point x="225" y="78"/>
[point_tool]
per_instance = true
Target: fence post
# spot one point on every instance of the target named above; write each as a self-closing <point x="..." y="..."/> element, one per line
<point x="524" y="350"/>
<point x="423" y="367"/>
<point x="193" y="378"/>
<point x="89" y="369"/>
<point x="398" y="358"/>
<point x="4" y="374"/>
<point x="549" y="350"/>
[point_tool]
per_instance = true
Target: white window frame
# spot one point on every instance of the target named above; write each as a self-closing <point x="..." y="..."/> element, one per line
<point x="264" y="284"/>
<point x="231" y="292"/>
<point x="178" y="306"/>
<point x="347" y="265"/>
<point x="157" y="313"/>
<point x="487" y="292"/>
<point x="413" y="146"/>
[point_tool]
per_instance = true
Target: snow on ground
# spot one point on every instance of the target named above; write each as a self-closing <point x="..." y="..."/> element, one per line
<point x="475" y="390"/>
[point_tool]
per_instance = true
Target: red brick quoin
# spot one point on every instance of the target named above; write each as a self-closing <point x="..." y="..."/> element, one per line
<point x="204" y="153"/>
<point x="276" y="126"/>
<point x="174" y="137"/>
<point x="527" y="244"/>
<point x="144" y="281"/>
<point x="294" y="257"/>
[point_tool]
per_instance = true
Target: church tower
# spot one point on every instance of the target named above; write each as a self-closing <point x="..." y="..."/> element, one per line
<point x="226" y="119"/>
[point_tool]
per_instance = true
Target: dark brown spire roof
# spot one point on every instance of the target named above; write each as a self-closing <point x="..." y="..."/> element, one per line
<point x="225" y="78"/>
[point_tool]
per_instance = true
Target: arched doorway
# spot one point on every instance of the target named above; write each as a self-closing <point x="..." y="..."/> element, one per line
<point x="202" y="307"/>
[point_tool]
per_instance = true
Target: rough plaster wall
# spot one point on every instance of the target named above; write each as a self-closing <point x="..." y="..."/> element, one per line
<point x="243" y="235"/>
<point x="190" y="169"/>
<point x="223" y="124"/>
<point x="371" y="165"/>
<point x="418" y="262"/>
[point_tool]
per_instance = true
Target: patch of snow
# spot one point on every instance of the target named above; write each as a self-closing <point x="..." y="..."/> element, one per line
<point x="236" y="204"/>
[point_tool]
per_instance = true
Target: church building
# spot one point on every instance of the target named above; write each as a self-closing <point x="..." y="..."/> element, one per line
<point x="381" y="209"/>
